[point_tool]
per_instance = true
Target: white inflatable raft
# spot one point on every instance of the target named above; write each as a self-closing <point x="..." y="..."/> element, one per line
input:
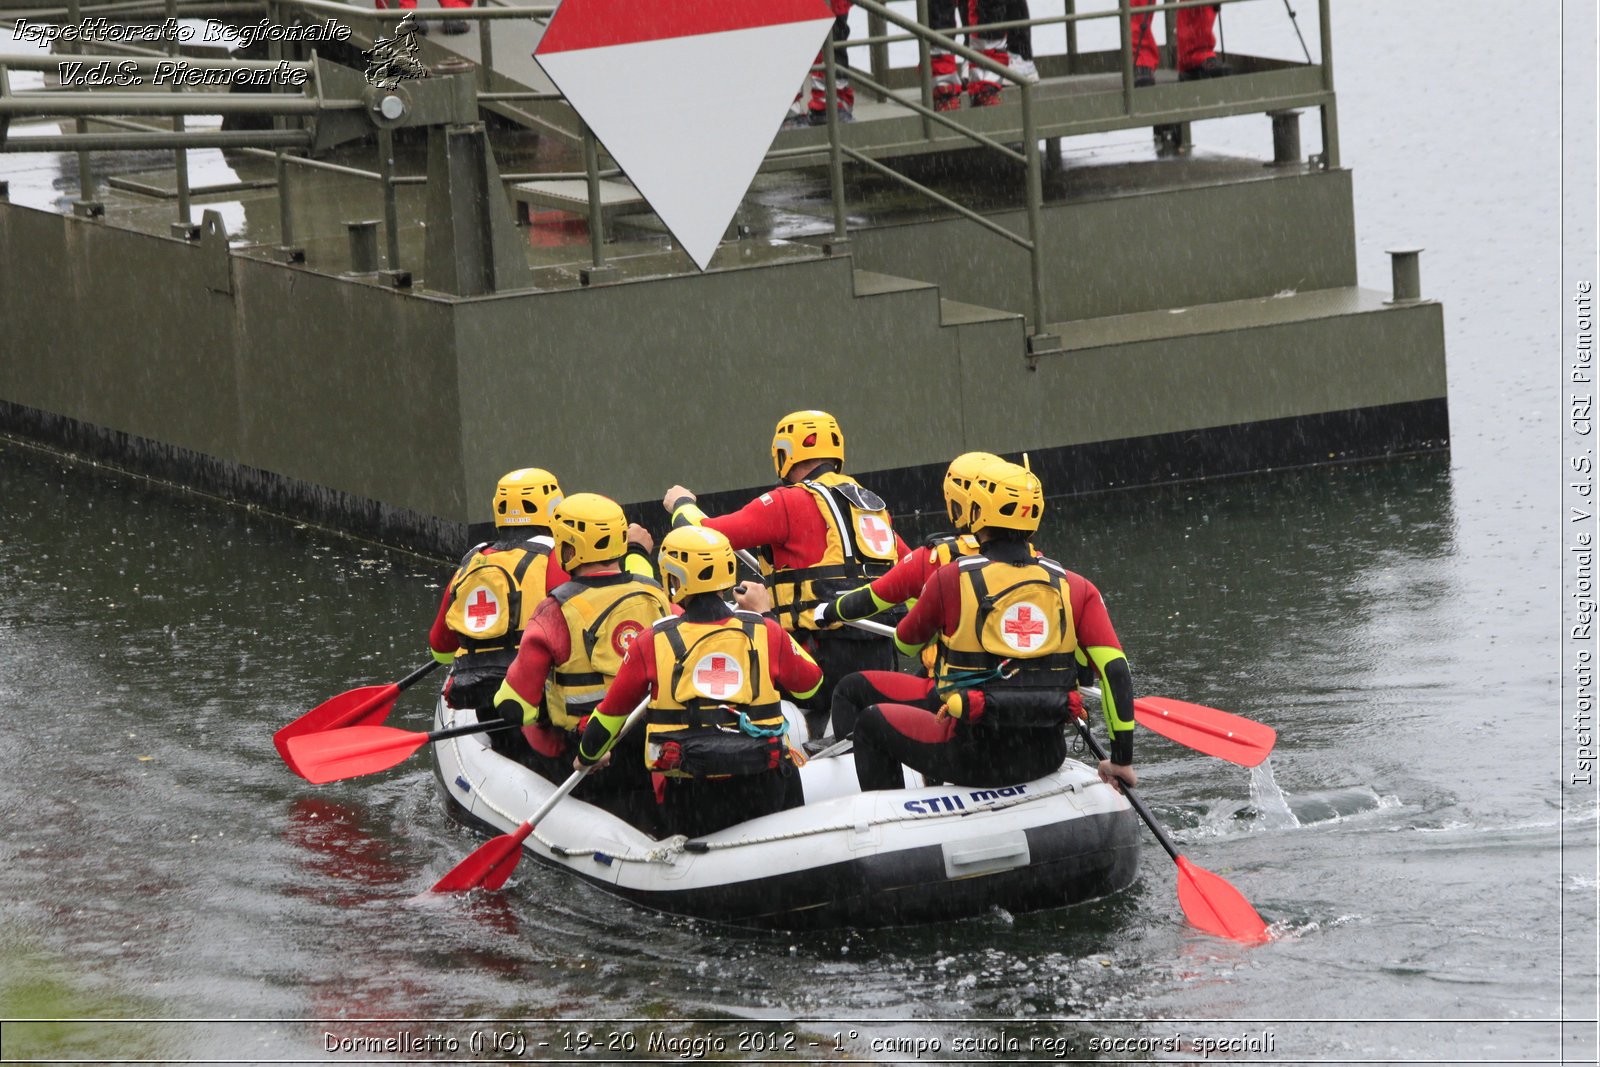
<point x="846" y="858"/>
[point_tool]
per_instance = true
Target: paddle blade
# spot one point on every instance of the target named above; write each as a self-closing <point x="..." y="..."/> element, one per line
<point x="354" y="750"/>
<point x="367" y="706"/>
<point x="1211" y="903"/>
<point x="490" y="864"/>
<point x="1216" y="733"/>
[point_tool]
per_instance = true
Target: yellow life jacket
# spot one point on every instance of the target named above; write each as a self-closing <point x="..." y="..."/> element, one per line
<point x="494" y="592"/>
<point x="604" y="615"/>
<point x="943" y="550"/>
<point x="714" y="710"/>
<point x="860" y="547"/>
<point x="1014" y="632"/>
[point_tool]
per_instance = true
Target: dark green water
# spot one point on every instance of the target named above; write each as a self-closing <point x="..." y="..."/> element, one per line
<point x="1429" y="879"/>
<point x="160" y="862"/>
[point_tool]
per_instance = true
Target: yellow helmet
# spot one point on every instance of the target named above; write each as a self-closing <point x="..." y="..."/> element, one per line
<point x="525" y="497"/>
<point x="697" y="560"/>
<point x="956" y="480"/>
<point x="1004" y="496"/>
<point x="806" y="435"/>
<point x="590" y="528"/>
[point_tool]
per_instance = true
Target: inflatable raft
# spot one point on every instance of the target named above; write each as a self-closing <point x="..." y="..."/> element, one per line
<point x="846" y="858"/>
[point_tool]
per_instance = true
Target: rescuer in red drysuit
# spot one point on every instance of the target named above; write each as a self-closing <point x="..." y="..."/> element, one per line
<point x="1001" y="706"/>
<point x="824" y="534"/>
<point x="901" y="585"/>
<point x="715" y="737"/>
<point x="493" y="593"/>
<point x="574" y="645"/>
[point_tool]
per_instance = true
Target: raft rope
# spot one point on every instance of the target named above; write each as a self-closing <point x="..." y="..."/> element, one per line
<point x="667" y="851"/>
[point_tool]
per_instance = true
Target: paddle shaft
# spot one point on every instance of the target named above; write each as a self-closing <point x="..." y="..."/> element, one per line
<point x="1127" y="791"/>
<point x="468" y="728"/>
<point x="578" y="775"/>
<point x="386" y="697"/>
<point x="417" y="675"/>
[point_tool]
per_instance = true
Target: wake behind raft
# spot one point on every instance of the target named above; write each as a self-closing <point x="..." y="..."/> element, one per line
<point x="847" y="858"/>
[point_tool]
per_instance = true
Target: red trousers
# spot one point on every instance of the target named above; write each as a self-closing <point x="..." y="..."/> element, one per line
<point x="410" y="5"/>
<point x="819" y="80"/>
<point x="1197" y="40"/>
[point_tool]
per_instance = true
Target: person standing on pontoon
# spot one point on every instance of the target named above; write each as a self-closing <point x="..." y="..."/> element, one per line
<point x="1197" y="45"/>
<point x="575" y="643"/>
<point x="1008" y="626"/>
<point x="715" y="737"/>
<point x="489" y="599"/>
<point x="822" y="533"/>
<point x="451" y="26"/>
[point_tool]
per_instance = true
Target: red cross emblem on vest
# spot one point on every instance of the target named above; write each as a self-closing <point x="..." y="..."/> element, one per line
<point x="622" y="637"/>
<point x="1022" y="624"/>
<point x="482" y="610"/>
<point x="875" y="532"/>
<point x="717" y="675"/>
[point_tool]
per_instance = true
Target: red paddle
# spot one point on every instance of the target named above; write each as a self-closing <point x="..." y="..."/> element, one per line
<point x="492" y="862"/>
<point x="1215" y="733"/>
<point x="1208" y="900"/>
<point x="367" y="706"/>
<point x="333" y="755"/>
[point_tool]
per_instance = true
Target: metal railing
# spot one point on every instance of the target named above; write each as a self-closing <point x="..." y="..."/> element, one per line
<point x="928" y="40"/>
<point x="280" y="143"/>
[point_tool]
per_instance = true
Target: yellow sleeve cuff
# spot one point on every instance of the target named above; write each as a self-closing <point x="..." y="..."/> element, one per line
<point x="909" y="651"/>
<point x="530" y="712"/>
<point x="1103" y="657"/>
<point x="606" y="724"/>
<point x="445" y="658"/>
<point x="688" y="514"/>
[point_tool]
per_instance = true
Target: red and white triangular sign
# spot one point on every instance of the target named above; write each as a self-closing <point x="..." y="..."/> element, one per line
<point x="685" y="96"/>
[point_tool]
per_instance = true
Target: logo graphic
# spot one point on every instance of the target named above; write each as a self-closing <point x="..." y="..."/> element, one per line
<point x="392" y="60"/>
<point x="482" y="610"/>
<point x="622" y="637"/>
<point x="875" y="534"/>
<point x="636" y="71"/>
<point x="1024" y="627"/>
<point x="718" y="676"/>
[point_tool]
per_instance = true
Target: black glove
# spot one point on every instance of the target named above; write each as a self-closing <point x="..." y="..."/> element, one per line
<point x="827" y="613"/>
<point x="510" y="711"/>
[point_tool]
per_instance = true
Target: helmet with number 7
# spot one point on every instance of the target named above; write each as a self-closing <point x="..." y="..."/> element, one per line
<point x="1004" y="496"/>
<point x="805" y="435"/>
<point x="590" y="528"/>
<point x="696" y="560"/>
<point x="957" y="478"/>
<point x="525" y="497"/>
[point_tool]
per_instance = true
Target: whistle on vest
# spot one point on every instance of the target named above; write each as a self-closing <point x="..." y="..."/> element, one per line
<point x="966" y="704"/>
